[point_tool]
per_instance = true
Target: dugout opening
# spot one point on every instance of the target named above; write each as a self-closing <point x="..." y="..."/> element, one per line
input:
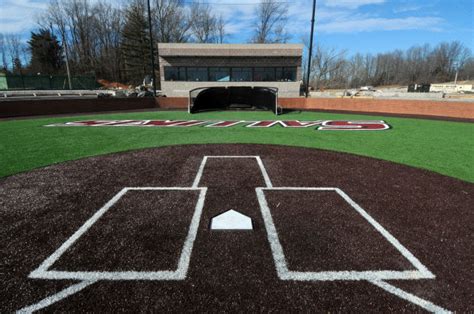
<point x="233" y="98"/>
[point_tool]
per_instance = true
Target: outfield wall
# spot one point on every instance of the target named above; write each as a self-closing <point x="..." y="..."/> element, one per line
<point x="32" y="107"/>
<point x="460" y="110"/>
<point x="172" y="102"/>
<point x="427" y="108"/>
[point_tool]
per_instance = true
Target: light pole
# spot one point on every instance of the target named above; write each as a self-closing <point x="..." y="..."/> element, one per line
<point x="151" y="50"/>
<point x="67" y="63"/>
<point x="310" y="49"/>
<point x="456" y="65"/>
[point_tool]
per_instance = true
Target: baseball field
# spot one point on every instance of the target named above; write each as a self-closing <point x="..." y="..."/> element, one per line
<point x="112" y="214"/>
<point x="441" y="146"/>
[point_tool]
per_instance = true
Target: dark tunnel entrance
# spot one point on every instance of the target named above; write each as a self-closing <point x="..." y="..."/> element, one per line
<point x="233" y="98"/>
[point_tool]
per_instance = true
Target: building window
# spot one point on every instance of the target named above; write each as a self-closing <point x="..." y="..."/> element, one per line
<point x="286" y="74"/>
<point x="219" y="74"/>
<point x="241" y="74"/>
<point x="175" y="74"/>
<point x="264" y="74"/>
<point x="198" y="74"/>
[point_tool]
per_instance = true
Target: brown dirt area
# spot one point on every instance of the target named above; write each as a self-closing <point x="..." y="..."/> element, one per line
<point x="234" y="271"/>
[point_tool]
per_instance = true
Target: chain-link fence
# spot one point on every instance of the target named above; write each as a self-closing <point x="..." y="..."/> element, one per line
<point x="46" y="82"/>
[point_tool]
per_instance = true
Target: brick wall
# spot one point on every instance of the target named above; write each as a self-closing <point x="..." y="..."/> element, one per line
<point x="172" y="102"/>
<point x="455" y="110"/>
<point x="461" y="110"/>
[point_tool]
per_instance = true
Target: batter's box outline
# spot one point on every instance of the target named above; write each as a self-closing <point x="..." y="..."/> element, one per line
<point x="88" y="278"/>
<point x="43" y="272"/>
<point x="284" y="273"/>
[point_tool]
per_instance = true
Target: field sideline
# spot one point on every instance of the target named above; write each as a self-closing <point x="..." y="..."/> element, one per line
<point x="439" y="146"/>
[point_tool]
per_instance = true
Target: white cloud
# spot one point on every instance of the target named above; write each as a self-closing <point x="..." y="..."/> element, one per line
<point x="350" y="4"/>
<point x="299" y="16"/>
<point x="333" y="16"/>
<point x="238" y="15"/>
<point x="408" y="8"/>
<point x="17" y="16"/>
<point x="382" y="24"/>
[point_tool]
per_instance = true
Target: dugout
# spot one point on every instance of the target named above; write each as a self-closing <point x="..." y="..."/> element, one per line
<point x="233" y="98"/>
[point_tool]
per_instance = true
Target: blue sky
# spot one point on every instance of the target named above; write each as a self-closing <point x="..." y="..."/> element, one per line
<point x="355" y="25"/>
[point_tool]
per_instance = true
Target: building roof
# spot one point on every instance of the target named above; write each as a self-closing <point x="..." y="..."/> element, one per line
<point x="230" y="50"/>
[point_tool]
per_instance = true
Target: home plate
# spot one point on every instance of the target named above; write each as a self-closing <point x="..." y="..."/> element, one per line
<point x="231" y="220"/>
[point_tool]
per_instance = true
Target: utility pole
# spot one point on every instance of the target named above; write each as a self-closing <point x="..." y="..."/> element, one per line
<point x="152" y="50"/>
<point x="310" y="49"/>
<point x="67" y="64"/>
<point x="456" y="65"/>
<point x="68" y="71"/>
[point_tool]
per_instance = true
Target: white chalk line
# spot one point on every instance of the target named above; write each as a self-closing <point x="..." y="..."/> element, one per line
<point x="422" y="269"/>
<point x="427" y="305"/>
<point x="387" y="235"/>
<point x="275" y="246"/>
<point x="42" y="272"/>
<point x="89" y="278"/>
<point x="180" y="273"/>
<point x="353" y="275"/>
<point x="375" y="277"/>
<point x="56" y="297"/>
<point x="268" y="182"/>
<point x="199" y="173"/>
<point x="184" y="259"/>
<point x="197" y="179"/>
<point x="60" y="251"/>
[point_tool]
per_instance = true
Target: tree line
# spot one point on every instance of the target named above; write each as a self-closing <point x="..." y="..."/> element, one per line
<point x="112" y="42"/>
<point x="333" y="68"/>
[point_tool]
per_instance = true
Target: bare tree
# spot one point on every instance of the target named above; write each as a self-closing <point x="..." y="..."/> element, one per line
<point x="3" y="52"/>
<point x="356" y="70"/>
<point x="14" y="55"/>
<point x="466" y="72"/>
<point x="171" y="21"/>
<point x="61" y="17"/>
<point x="446" y="57"/>
<point x="13" y="47"/>
<point x="416" y="68"/>
<point x="203" y="23"/>
<point x="327" y="67"/>
<point x="90" y="33"/>
<point x="221" y="33"/>
<point x="270" y="24"/>
<point x="109" y="23"/>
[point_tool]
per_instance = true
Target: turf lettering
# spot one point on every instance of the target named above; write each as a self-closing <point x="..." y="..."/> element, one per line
<point x="354" y="125"/>
<point x="299" y="124"/>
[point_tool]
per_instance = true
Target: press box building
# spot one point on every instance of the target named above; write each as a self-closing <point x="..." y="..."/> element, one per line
<point x="185" y="67"/>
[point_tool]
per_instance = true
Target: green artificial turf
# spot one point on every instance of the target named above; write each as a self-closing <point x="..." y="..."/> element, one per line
<point x="440" y="146"/>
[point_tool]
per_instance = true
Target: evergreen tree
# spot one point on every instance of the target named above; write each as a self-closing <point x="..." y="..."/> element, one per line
<point x="46" y="52"/>
<point x="136" y="44"/>
<point x="17" y="66"/>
